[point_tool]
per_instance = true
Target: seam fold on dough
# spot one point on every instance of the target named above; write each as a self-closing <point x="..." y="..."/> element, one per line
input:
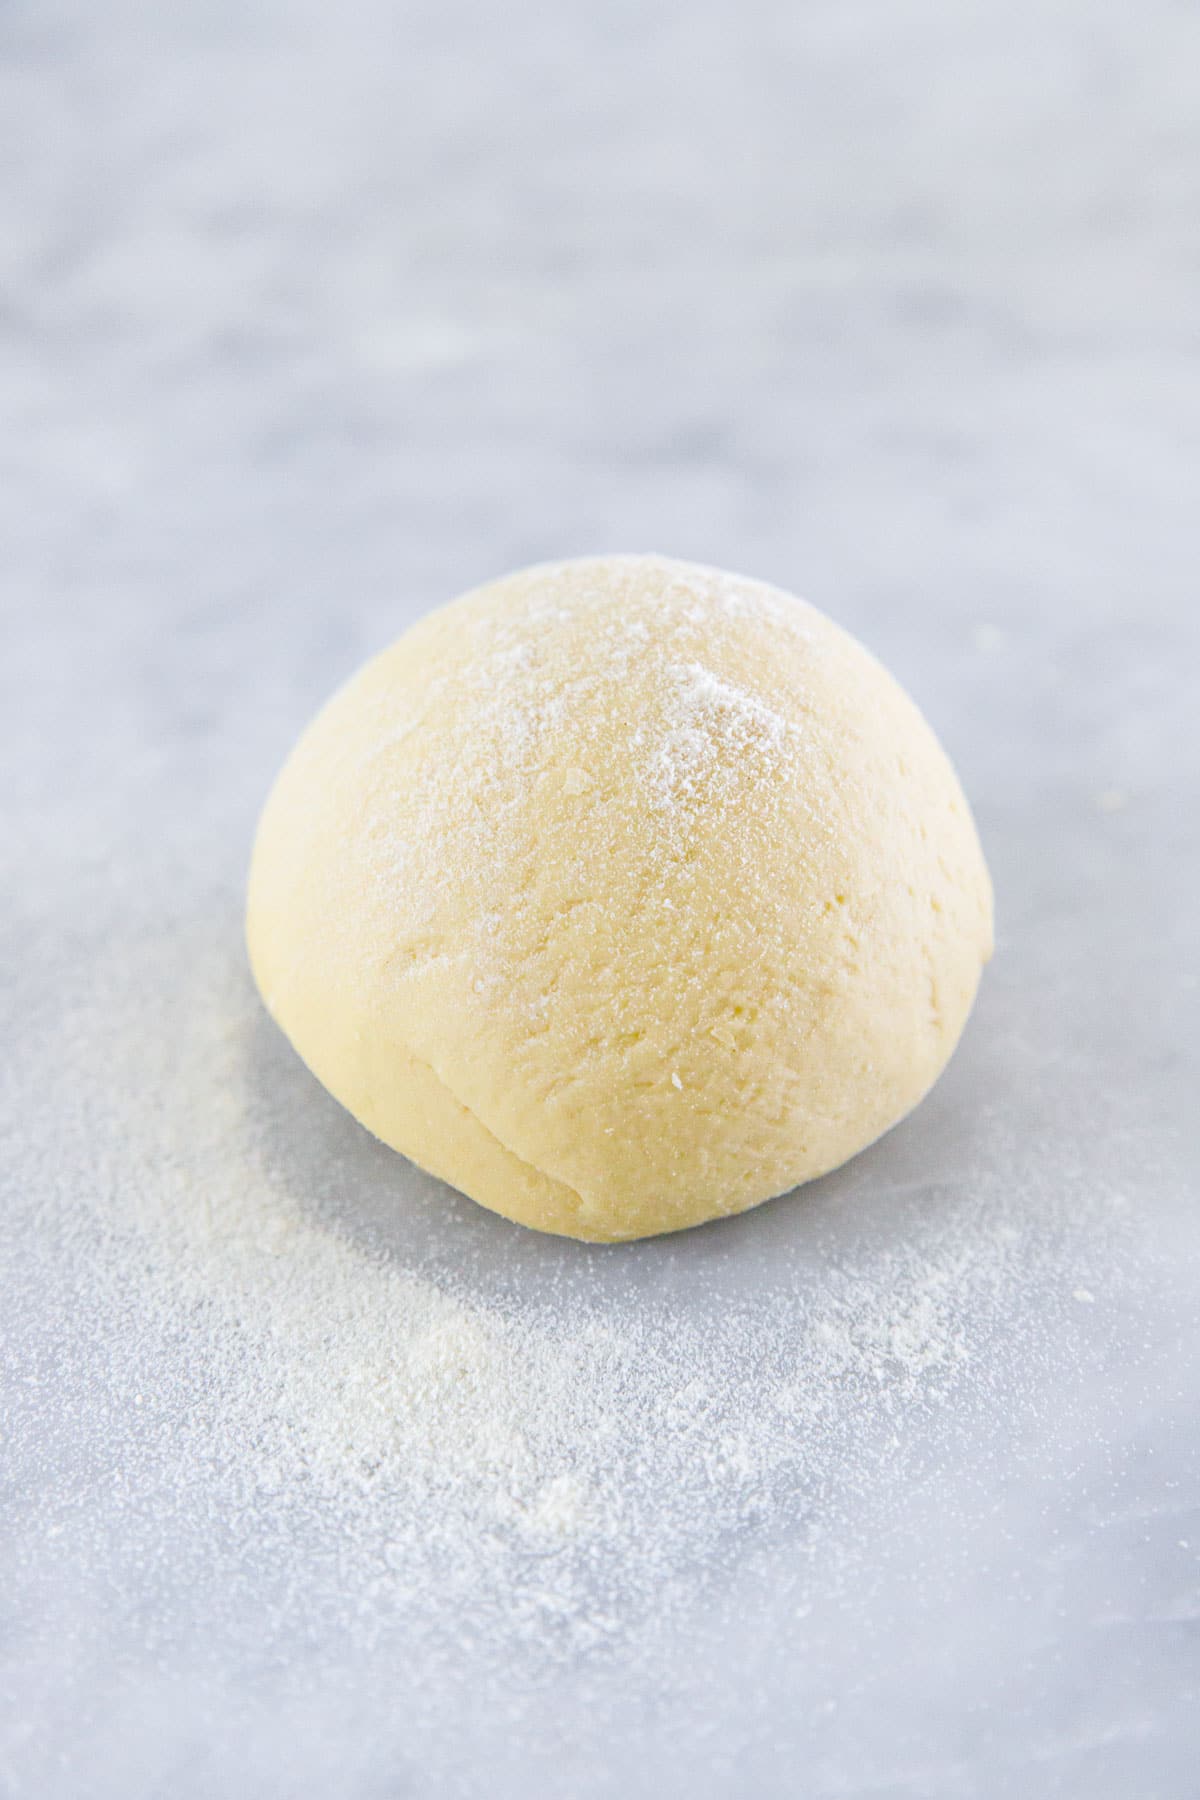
<point x="570" y="1198"/>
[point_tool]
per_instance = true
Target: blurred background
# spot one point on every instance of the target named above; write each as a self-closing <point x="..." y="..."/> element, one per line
<point x="315" y="316"/>
<point x="312" y="317"/>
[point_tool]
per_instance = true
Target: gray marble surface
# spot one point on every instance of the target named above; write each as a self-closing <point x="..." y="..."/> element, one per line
<point x="311" y="317"/>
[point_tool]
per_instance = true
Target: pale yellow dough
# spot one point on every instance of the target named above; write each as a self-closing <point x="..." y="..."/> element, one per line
<point x="622" y="894"/>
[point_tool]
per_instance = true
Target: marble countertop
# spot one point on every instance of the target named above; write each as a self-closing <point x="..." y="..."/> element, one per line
<point x="312" y="317"/>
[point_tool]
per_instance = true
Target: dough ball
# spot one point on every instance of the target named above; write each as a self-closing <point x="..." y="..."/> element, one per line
<point x="622" y="894"/>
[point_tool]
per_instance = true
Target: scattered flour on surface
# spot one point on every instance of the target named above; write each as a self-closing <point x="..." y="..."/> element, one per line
<point x="556" y="1459"/>
<point x="296" y="1376"/>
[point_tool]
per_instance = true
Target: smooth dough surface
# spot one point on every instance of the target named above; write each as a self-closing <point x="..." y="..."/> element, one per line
<point x="621" y="894"/>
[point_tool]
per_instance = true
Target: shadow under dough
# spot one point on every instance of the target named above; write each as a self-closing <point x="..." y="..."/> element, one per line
<point x="338" y="1174"/>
